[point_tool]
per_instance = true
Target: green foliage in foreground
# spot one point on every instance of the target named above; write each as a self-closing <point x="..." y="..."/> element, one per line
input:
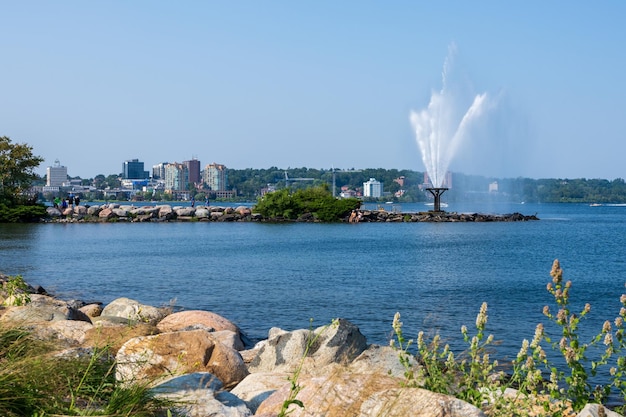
<point x="35" y="383"/>
<point x="317" y="201"/>
<point x="22" y="213"/>
<point x="474" y="378"/>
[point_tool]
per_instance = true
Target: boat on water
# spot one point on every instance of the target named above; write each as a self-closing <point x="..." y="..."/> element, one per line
<point x="441" y="204"/>
<point x="595" y="205"/>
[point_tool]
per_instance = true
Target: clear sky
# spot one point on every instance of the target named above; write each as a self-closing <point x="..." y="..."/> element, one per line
<point x="319" y="84"/>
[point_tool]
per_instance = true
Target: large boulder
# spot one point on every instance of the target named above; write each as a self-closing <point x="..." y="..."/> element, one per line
<point x="121" y="212"/>
<point x="132" y="311"/>
<point x="67" y="332"/>
<point x="339" y="343"/>
<point x="92" y="310"/>
<point x="42" y="308"/>
<point x="150" y="358"/>
<point x="243" y="211"/>
<point x="381" y="359"/>
<point x="341" y="394"/>
<point x="185" y="211"/>
<point x="166" y="212"/>
<point x="106" y="213"/>
<point x="200" y="395"/>
<point x="257" y="387"/>
<point x="149" y="211"/>
<point x="202" y="213"/>
<point x="53" y="212"/>
<point x="190" y="319"/>
<point x="80" y="211"/>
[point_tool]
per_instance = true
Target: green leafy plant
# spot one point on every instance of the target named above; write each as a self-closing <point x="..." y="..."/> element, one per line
<point x="473" y="377"/>
<point x="316" y="201"/>
<point x="17" y="290"/>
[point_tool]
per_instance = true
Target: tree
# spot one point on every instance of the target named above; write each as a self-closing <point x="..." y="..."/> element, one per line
<point x="17" y="163"/>
<point x="317" y="201"/>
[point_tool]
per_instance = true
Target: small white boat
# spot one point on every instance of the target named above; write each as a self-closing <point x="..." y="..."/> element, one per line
<point x="595" y="205"/>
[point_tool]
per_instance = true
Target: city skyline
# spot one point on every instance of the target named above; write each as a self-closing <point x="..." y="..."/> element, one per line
<point x="321" y="85"/>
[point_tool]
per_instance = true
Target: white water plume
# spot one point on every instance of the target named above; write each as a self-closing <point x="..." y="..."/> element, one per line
<point x="443" y="125"/>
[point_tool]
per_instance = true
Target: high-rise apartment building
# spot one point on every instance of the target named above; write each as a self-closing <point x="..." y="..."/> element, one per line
<point x="133" y="170"/>
<point x="372" y="188"/>
<point x="193" y="166"/>
<point x="56" y="175"/>
<point x="158" y="171"/>
<point x="215" y="177"/>
<point x="176" y="177"/>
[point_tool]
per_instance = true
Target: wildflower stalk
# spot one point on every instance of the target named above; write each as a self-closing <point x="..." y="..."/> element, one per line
<point x="295" y="385"/>
<point x="578" y="389"/>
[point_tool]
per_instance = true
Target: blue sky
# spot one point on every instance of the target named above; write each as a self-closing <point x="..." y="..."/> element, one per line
<point x="256" y="84"/>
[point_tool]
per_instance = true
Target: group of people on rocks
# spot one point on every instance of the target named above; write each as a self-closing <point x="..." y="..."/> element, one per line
<point x="193" y="201"/>
<point x="71" y="201"/>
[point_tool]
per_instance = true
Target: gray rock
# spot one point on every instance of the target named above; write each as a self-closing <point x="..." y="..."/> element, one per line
<point x="202" y="213"/>
<point x="334" y="344"/>
<point x="380" y="359"/>
<point x="132" y="311"/>
<point x="53" y="212"/>
<point x="120" y="212"/>
<point x="597" y="410"/>
<point x="185" y="212"/>
<point x="257" y="387"/>
<point x="42" y="308"/>
<point x="365" y="395"/>
<point x="200" y="394"/>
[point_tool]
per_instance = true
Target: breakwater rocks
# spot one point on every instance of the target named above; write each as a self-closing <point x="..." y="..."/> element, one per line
<point x="165" y="213"/>
<point x="201" y="360"/>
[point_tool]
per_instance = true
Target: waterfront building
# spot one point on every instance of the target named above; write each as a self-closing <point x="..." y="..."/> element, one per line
<point x="158" y="171"/>
<point x="193" y="166"/>
<point x="215" y="177"/>
<point x="372" y="188"/>
<point x="133" y="169"/>
<point x="56" y="175"/>
<point x="176" y="177"/>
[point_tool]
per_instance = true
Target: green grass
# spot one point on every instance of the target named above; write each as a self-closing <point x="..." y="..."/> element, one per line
<point x="34" y="382"/>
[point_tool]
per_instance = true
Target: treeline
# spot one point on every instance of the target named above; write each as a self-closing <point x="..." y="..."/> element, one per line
<point x="249" y="182"/>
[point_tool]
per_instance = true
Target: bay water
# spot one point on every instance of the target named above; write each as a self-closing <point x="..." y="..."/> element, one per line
<point x="283" y="275"/>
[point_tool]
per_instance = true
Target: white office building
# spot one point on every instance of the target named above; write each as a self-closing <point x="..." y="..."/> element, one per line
<point x="56" y="175"/>
<point x="372" y="188"/>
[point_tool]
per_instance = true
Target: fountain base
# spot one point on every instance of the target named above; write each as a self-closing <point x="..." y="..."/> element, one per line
<point x="436" y="192"/>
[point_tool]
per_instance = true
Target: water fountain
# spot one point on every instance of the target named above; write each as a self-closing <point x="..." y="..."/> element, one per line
<point x="440" y="128"/>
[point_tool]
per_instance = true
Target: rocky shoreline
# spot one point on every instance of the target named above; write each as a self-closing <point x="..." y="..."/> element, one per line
<point x="114" y="212"/>
<point x="202" y="360"/>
